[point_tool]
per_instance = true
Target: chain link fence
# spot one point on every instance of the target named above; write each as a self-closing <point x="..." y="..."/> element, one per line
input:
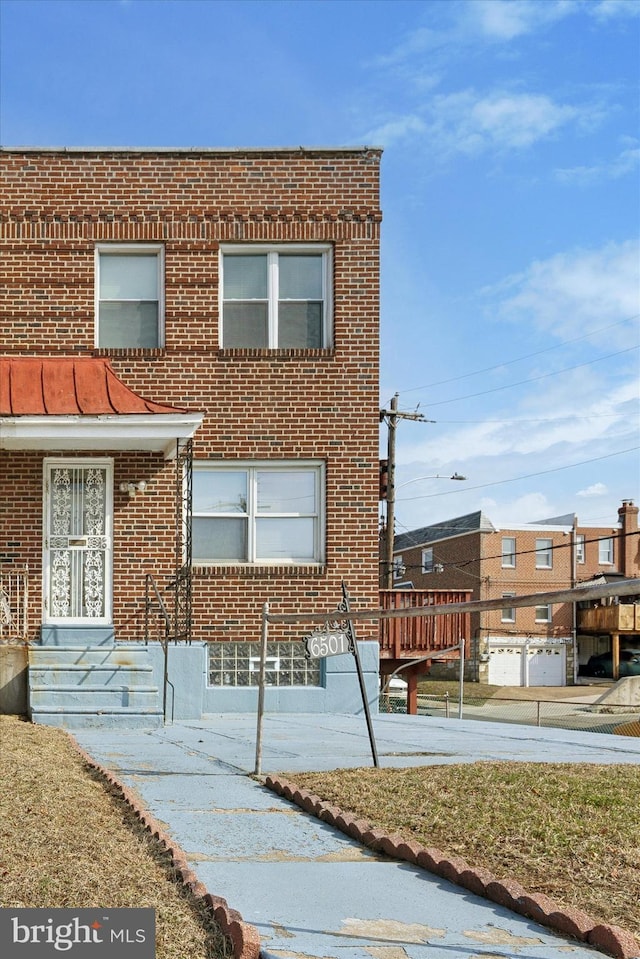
<point x="589" y="717"/>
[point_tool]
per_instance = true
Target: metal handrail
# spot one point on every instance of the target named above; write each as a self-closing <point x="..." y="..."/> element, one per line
<point x="150" y="583"/>
<point x="14" y="601"/>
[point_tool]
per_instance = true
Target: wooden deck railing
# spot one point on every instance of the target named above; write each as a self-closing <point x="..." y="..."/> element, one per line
<point x="618" y="618"/>
<point x="414" y="636"/>
<point x="14" y="597"/>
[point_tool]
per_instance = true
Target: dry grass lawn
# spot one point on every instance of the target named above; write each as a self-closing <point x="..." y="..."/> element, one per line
<point x="67" y="840"/>
<point x="569" y="831"/>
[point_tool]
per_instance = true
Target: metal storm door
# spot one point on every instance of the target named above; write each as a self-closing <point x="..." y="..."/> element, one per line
<point x="77" y="553"/>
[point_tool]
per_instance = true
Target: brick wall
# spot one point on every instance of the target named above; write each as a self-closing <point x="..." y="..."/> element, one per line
<point x="258" y="404"/>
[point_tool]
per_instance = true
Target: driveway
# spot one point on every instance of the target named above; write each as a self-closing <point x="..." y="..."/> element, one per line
<point x="308" y="889"/>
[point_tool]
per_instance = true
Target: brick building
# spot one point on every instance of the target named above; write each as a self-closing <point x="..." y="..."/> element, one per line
<point x="188" y="407"/>
<point x="537" y="645"/>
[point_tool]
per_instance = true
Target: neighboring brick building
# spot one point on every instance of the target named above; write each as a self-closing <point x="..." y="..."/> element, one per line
<point x="534" y="646"/>
<point x="189" y="382"/>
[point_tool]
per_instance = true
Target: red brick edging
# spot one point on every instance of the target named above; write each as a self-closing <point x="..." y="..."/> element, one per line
<point x="244" y="937"/>
<point x="571" y="922"/>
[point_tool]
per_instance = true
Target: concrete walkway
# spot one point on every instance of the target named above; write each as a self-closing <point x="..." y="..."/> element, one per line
<point x="308" y="889"/>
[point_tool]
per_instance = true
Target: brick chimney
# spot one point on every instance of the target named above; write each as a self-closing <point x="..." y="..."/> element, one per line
<point x="629" y="552"/>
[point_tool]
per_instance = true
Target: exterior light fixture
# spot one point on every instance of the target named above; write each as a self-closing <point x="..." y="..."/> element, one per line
<point x="133" y="488"/>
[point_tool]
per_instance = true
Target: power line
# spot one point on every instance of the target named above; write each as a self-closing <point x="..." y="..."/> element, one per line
<point x="526" y="356"/>
<point x="515" y="479"/>
<point x="534" y="379"/>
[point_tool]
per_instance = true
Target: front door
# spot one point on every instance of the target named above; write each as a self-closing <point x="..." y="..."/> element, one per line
<point x="77" y="541"/>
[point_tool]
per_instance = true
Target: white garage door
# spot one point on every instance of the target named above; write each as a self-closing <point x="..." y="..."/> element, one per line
<point x="505" y="666"/>
<point x="547" y="666"/>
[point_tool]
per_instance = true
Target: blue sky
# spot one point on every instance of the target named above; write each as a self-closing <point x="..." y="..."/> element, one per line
<point x="510" y="191"/>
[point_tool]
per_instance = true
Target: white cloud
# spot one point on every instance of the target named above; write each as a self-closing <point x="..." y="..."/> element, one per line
<point x="607" y="9"/>
<point x="626" y="162"/>
<point x="505" y="20"/>
<point x="596" y="489"/>
<point x="468" y="123"/>
<point x="575" y="291"/>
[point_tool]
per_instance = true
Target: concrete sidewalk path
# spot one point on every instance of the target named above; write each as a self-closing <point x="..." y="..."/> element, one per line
<point x="310" y="890"/>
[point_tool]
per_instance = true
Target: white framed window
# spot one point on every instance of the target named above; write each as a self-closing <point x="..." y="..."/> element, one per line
<point x="398" y="567"/>
<point x="508" y="551"/>
<point x="508" y="612"/>
<point x="427" y="560"/>
<point x="580" y="548"/>
<point x="544" y="554"/>
<point x="543" y="614"/>
<point x="275" y="297"/>
<point x="258" y="512"/>
<point x="129" y="285"/>
<point x="605" y="551"/>
<point x="238" y="664"/>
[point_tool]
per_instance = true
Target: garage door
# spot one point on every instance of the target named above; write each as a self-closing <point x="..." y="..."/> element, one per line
<point x="547" y="666"/>
<point x="505" y="666"/>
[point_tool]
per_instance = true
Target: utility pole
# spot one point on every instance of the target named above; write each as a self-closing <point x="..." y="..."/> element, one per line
<point x="392" y="416"/>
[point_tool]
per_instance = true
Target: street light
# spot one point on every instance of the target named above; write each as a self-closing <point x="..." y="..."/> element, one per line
<point x="391" y="504"/>
<point x="456" y="476"/>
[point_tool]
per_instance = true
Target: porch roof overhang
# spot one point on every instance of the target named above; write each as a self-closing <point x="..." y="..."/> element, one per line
<point x="66" y="403"/>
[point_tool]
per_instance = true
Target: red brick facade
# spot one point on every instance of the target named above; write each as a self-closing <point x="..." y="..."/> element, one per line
<point x="269" y="405"/>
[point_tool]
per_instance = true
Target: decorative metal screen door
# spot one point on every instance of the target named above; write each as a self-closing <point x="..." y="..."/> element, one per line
<point x="77" y="554"/>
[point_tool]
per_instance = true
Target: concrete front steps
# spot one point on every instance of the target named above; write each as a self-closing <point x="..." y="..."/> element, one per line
<point x="77" y="686"/>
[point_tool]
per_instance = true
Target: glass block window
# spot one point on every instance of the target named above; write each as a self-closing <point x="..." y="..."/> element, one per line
<point x="238" y="664"/>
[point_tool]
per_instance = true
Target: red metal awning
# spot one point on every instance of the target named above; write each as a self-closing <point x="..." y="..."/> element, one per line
<point x="63" y="386"/>
<point x="80" y="403"/>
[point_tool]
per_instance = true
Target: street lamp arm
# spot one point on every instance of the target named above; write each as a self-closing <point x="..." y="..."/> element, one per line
<point x="456" y="476"/>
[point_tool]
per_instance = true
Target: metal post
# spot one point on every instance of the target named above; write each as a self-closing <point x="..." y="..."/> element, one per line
<point x="261" y="684"/>
<point x="391" y="495"/>
<point x="356" y="655"/>
<point x="461" y="680"/>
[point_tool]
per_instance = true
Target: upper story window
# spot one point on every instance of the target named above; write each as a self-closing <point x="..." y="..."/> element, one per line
<point x="276" y="298"/>
<point x="258" y="513"/>
<point x="427" y="560"/>
<point x="398" y="567"/>
<point x="605" y="551"/>
<point x="129" y="296"/>
<point x="580" y="548"/>
<point x="544" y="554"/>
<point x="508" y="551"/>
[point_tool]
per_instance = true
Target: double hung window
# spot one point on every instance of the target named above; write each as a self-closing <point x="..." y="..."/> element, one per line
<point x="258" y="513"/>
<point x="605" y="551"/>
<point x="427" y="560"/>
<point x="508" y="612"/>
<point x="129" y="296"/>
<point x="276" y="298"/>
<point x="544" y="554"/>
<point x="508" y="551"/>
<point x="580" y="546"/>
<point x="543" y="614"/>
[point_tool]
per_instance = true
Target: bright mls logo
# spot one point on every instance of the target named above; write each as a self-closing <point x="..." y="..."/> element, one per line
<point x="81" y="933"/>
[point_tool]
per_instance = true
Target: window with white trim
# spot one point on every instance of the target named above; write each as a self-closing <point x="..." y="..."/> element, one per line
<point x="129" y="296"/>
<point x="427" y="560"/>
<point x="276" y="297"/>
<point x="398" y="567"/>
<point x="258" y="513"/>
<point x="580" y="548"/>
<point x="544" y="554"/>
<point x="543" y="614"/>
<point x="605" y="551"/>
<point x="508" y="612"/>
<point x="238" y="664"/>
<point x="508" y="551"/>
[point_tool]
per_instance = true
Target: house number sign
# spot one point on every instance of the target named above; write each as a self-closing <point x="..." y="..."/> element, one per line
<point x="324" y="642"/>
